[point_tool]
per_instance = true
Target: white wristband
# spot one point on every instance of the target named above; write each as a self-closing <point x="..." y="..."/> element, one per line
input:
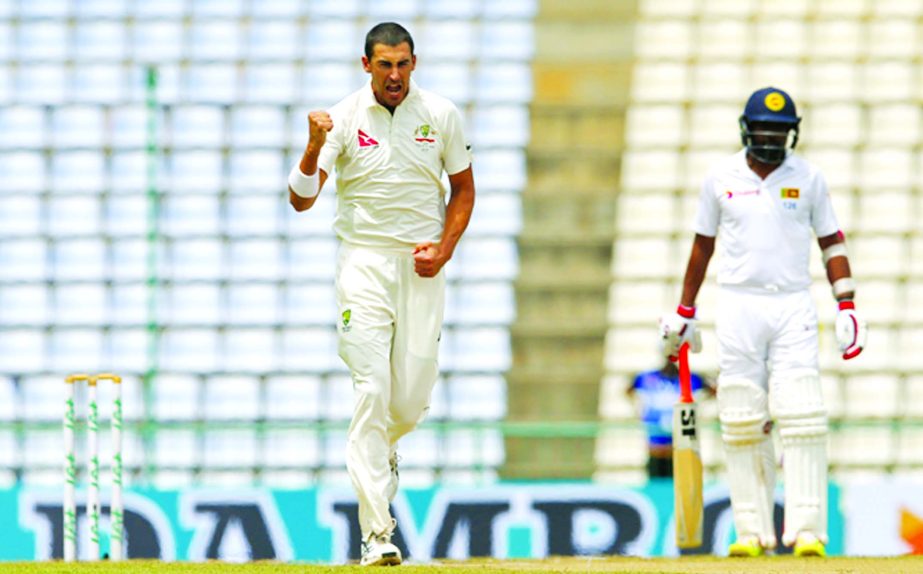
<point x="835" y="250"/>
<point x="306" y="186"/>
<point x="843" y="286"/>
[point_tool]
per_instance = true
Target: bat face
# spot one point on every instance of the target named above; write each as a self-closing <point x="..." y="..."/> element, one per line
<point x="687" y="462"/>
<point x="687" y="477"/>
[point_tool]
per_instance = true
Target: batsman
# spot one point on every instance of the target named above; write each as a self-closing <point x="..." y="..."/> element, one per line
<point x="763" y="203"/>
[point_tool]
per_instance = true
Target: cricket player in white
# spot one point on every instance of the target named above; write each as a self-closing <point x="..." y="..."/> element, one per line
<point x="390" y="142"/>
<point x="764" y="202"/>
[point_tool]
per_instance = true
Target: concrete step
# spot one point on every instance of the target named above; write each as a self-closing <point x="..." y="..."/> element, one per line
<point x="548" y="352"/>
<point x="587" y="10"/>
<point x="595" y="83"/>
<point x="576" y="129"/>
<point x="549" y="458"/>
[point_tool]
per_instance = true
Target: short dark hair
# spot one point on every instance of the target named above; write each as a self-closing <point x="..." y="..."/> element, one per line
<point x="389" y="34"/>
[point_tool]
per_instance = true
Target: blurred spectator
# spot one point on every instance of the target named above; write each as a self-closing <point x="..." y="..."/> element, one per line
<point x="654" y="393"/>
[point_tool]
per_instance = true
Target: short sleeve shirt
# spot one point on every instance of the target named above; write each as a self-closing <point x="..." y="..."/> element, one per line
<point x="764" y="226"/>
<point x="389" y="167"/>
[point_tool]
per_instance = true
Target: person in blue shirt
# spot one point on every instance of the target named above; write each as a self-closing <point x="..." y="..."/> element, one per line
<point x="655" y="393"/>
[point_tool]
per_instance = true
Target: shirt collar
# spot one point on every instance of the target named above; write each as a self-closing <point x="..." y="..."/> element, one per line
<point x="743" y="168"/>
<point x="367" y="98"/>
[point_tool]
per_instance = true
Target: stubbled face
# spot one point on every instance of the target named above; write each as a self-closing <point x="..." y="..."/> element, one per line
<point x="390" y="68"/>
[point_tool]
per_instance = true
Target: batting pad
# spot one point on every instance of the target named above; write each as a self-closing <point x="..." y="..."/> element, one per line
<point x="751" y="471"/>
<point x="797" y="403"/>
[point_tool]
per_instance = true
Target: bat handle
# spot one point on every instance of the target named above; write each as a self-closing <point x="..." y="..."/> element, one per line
<point x="685" y="378"/>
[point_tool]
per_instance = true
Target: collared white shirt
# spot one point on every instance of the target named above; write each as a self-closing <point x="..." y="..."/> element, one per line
<point x="389" y="167"/>
<point x="764" y="226"/>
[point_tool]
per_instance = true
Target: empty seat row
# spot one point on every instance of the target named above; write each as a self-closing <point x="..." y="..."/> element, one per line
<point x="213" y="259"/>
<point x="844" y="125"/>
<point x="291" y="399"/>
<point x="230" y="83"/>
<point x="210" y="126"/>
<point x="316" y="9"/>
<point x="217" y="303"/>
<point x="812" y="82"/>
<point x="833" y="38"/>
<point x="802" y="9"/>
<point x="231" y="40"/>
<point x="238" y="171"/>
<point x="247" y="349"/>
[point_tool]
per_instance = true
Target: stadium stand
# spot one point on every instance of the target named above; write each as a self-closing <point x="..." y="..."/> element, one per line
<point x="852" y="68"/>
<point x="144" y="229"/>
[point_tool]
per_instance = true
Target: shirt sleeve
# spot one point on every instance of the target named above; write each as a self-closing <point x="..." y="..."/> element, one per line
<point x="333" y="146"/>
<point x="456" y="155"/>
<point x="708" y="214"/>
<point x="823" y="219"/>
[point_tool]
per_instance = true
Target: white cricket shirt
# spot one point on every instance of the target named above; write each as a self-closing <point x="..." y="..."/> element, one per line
<point x="764" y="226"/>
<point x="389" y="167"/>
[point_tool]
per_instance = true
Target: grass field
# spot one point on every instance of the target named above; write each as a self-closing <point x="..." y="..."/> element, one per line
<point x="692" y="565"/>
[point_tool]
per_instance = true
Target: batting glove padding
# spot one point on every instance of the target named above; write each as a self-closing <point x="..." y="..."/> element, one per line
<point x="679" y="328"/>
<point x="851" y="331"/>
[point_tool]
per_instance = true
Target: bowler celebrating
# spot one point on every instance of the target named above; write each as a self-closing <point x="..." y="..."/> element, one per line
<point x="390" y="142"/>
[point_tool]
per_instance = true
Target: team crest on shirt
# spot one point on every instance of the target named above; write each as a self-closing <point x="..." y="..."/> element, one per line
<point x="347" y="315"/>
<point x="425" y="136"/>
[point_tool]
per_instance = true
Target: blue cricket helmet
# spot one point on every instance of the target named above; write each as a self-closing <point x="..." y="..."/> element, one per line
<point x="769" y="106"/>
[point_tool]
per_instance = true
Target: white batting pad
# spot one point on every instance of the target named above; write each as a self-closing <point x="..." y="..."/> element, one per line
<point x="797" y="403"/>
<point x="751" y="469"/>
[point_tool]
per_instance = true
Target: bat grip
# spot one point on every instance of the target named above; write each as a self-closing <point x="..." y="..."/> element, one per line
<point x="685" y="379"/>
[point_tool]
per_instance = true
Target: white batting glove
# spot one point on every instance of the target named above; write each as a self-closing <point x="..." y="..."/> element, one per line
<point x="851" y="331"/>
<point x="679" y="328"/>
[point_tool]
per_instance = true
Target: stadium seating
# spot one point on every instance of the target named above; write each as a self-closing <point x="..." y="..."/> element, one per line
<point x="186" y="262"/>
<point x="852" y="69"/>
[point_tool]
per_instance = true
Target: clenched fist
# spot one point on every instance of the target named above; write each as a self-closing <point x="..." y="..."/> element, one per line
<point x="319" y="123"/>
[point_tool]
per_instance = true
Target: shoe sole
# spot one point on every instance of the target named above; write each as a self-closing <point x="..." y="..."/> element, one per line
<point x="387" y="559"/>
<point x="743" y="553"/>
<point x="809" y="553"/>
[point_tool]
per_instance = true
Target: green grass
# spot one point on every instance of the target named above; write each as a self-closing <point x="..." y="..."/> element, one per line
<point x="692" y="565"/>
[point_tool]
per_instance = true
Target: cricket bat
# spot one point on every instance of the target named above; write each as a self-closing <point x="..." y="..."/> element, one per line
<point x="687" y="463"/>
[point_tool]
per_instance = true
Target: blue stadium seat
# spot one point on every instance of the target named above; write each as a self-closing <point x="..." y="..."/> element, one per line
<point x="79" y="259"/>
<point x="253" y="304"/>
<point x="80" y="304"/>
<point x="198" y="126"/>
<point x="271" y="84"/>
<point x="20" y="216"/>
<point x="231" y="397"/>
<point x="100" y="41"/>
<point x="190" y="350"/>
<point x="190" y="215"/>
<point x="22" y="127"/>
<point x="78" y="171"/>
<point x="75" y="350"/>
<point x="200" y="304"/>
<point x="77" y="126"/>
<point x="309" y="350"/>
<point x="24" y="305"/>
<point x="293" y="397"/>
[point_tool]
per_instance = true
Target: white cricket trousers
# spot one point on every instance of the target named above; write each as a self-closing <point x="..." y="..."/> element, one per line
<point x="389" y="327"/>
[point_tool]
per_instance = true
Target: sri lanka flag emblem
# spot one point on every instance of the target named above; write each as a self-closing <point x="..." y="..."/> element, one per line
<point x="790" y="193"/>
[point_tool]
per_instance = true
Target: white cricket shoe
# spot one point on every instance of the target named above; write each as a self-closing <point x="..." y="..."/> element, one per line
<point x="395" y="479"/>
<point x="377" y="550"/>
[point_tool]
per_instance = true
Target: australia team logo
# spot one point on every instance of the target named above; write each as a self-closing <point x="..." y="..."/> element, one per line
<point x="425" y="136"/>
